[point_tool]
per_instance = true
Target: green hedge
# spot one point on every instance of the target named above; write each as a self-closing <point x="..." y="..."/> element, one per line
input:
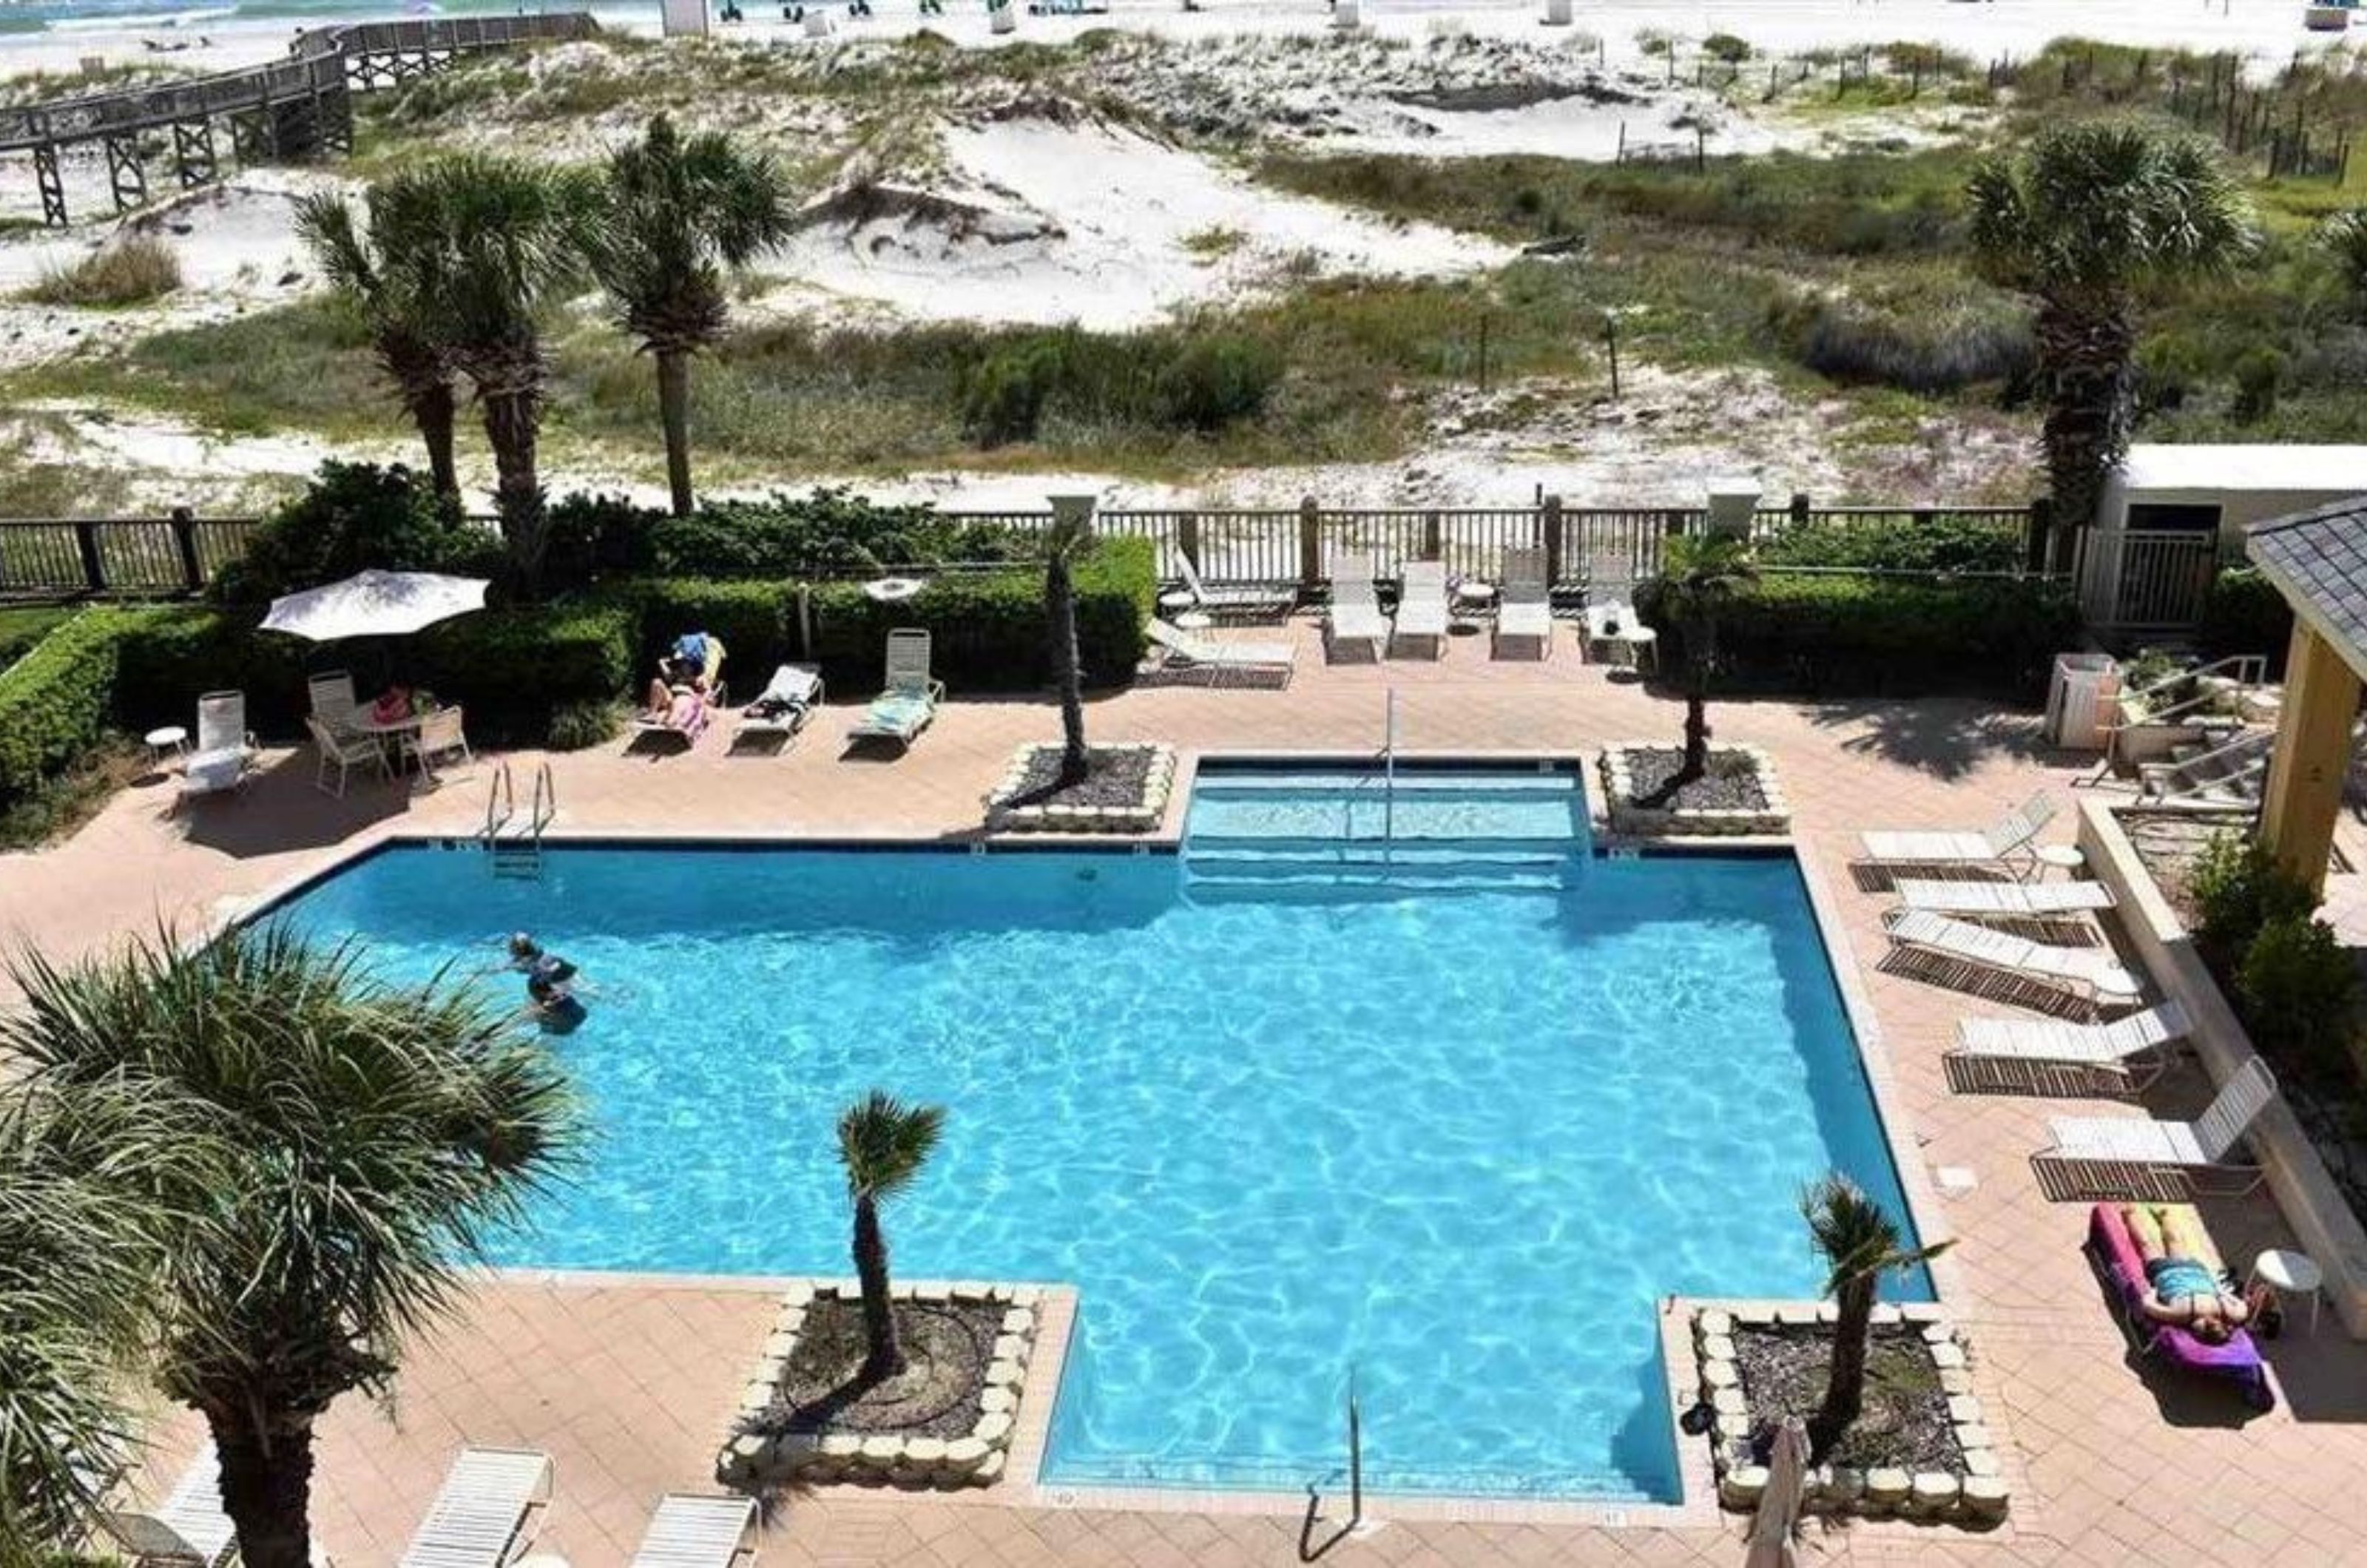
<point x="1889" y="636"/>
<point x="56" y="703"/>
<point x="989" y="628"/>
<point x="757" y="622"/>
<point x="2245" y="614"/>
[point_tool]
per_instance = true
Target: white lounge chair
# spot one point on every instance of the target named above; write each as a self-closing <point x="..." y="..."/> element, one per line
<point x="2089" y="973"/>
<point x="334" y="702"/>
<point x="225" y="748"/>
<point x="700" y="1532"/>
<point x="2005" y="900"/>
<point x="790" y="697"/>
<point x="1998" y="846"/>
<point x="187" y="1527"/>
<point x="1422" y="610"/>
<point x="1611" y="618"/>
<point x="1354" y="615"/>
<point x="2117" y="1157"/>
<point x="1188" y="654"/>
<point x="1269" y="599"/>
<point x="2052" y="1056"/>
<point x="346" y="752"/>
<point x="1524" y="605"/>
<point x="486" y="1512"/>
<point x="909" y="702"/>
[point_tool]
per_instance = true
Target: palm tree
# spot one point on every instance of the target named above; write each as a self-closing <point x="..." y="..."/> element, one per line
<point x="1860" y="1241"/>
<point x="677" y="216"/>
<point x="1699" y="575"/>
<point x="1071" y="533"/>
<point x="80" y="1240"/>
<point x="360" y="1139"/>
<point x="492" y="244"/>
<point x="883" y="1142"/>
<point x="2091" y="215"/>
<point x="367" y="267"/>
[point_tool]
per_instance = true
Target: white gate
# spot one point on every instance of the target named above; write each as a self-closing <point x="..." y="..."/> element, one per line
<point x="2147" y="579"/>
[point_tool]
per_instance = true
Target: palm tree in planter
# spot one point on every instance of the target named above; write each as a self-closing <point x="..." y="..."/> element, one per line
<point x="679" y="214"/>
<point x="494" y="243"/>
<point x="1700" y="575"/>
<point x="1861" y="1245"/>
<point x="360" y="1140"/>
<point x="1070" y="535"/>
<point x="883" y="1142"/>
<point x="2091" y="215"/>
<point x="368" y="264"/>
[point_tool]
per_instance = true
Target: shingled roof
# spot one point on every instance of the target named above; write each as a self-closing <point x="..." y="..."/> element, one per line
<point x="2318" y="561"/>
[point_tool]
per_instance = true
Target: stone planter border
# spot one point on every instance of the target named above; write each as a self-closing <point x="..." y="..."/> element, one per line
<point x="1144" y="817"/>
<point x="754" y="1461"/>
<point x="1973" y="1495"/>
<point x="1625" y="817"/>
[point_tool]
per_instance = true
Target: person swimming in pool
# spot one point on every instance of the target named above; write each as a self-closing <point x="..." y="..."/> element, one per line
<point x="557" y="1008"/>
<point x="527" y="958"/>
<point x="2179" y="1288"/>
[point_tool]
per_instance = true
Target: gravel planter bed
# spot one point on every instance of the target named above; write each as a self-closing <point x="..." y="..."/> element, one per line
<point x="1739" y="795"/>
<point x="1921" y="1449"/>
<point x="944" y="1421"/>
<point x="1125" y="791"/>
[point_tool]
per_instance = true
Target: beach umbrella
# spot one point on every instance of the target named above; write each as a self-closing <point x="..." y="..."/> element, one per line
<point x="375" y="604"/>
<point x="1779" y="1507"/>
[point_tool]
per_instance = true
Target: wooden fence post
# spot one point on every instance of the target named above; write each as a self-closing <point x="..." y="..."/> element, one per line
<point x="1549" y="523"/>
<point x="1187" y="538"/>
<point x="1433" y="537"/>
<point x="1311" y="546"/>
<point x="2038" y="534"/>
<point x="185" y="539"/>
<point x="94" y="568"/>
<point x="1799" y="508"/>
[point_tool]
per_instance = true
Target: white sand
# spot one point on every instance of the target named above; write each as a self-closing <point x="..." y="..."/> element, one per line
<point x="2267" y="29"/>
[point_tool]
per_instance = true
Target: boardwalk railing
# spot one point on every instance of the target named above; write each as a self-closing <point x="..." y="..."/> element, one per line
<point x="126" y="555"/>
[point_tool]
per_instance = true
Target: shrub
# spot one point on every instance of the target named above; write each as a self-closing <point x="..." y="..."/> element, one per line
<point x="1005" y="396"/>
<point x="2238" y="890"/>
<point x="1216" y="380"/>
<point x="1942" y="542"/>
<point x="575" y="727"/>
<point x="988" y="628"/>
<point x="828" y="532"/>
<point x="2294" y="990"/>
<point x="1896" y="637"/>
<point x="56" y="702"/>
<point x="514" y="669"/>
<point x="594" y="536"/>
<point x="1727" y="48"/>
<point x="2258" y="374"/>
<point x="2245" y="614"/>
<point x="1927" y="352"/>
<point x="178" y="654"/>
<point x="132" y="271"/>
<point x="351" y="517"/>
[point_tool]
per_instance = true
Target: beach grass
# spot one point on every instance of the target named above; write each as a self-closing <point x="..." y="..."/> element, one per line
<point x="133" y="270"/>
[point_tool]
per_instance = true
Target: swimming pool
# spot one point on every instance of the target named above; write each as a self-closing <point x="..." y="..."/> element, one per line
<point x="1456" y="1140"/>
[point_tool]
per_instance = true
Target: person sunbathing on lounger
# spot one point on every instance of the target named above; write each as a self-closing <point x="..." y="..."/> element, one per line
<point x="677" y="707"/>
<point x="2179" y="1288"/>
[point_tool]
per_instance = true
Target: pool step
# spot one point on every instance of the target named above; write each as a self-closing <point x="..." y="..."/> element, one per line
<point x="1492" y="784"/>
<point x="1218" y="819"/>
<point x="1207" y="851"/>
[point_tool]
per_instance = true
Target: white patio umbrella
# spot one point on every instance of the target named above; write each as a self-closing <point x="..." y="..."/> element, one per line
<point x="1771" y="1545"/>
<point x="374" y="604"/>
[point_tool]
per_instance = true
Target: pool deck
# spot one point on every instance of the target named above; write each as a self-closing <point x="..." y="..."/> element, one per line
<point x="628" y="1383"/>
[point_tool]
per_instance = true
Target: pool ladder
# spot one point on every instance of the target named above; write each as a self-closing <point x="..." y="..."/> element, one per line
<point x="1309" y="1549"/>
<point x="518" y="856"/>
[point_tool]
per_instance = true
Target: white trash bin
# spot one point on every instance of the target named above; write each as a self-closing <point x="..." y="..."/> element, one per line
<point x="1556" y="13"/>
<point x="2081" y="700"/>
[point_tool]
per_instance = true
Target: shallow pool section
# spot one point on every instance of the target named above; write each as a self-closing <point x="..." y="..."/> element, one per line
<point x="1453" y="1143"/>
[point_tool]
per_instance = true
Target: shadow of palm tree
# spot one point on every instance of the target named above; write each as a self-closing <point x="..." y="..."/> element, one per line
<point x="1946" y="737"/>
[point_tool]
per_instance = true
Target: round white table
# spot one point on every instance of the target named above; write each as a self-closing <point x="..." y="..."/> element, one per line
<point x="2068" y="859"/>
<point x="167" y="737"/>
<point x="2289" y="1273"/>
<point x="1176" y="603"/>
<point x="1195" y="621"/>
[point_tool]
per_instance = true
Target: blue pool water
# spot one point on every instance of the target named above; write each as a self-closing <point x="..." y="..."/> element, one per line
<point x="1456" y="1134"/>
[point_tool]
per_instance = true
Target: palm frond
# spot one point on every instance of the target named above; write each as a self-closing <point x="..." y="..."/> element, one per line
<point x="883" y="1142"/>
<point x="674" y="217"/>
<point x="1854" y="1236"/>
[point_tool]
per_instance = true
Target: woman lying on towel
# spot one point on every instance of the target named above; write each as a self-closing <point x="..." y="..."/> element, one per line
<point x="2179" y="1288"/>
<point x="676" y="707"/>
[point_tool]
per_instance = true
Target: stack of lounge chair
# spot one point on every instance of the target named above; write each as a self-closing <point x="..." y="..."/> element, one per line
<point x="1523" y="606"/>
<point x="908" y="701"/>
<point x="1354" y="617"/>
